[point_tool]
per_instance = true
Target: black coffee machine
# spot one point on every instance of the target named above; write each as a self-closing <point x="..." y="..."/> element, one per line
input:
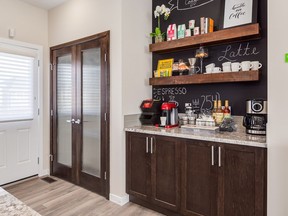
<point x="255" y="119"/>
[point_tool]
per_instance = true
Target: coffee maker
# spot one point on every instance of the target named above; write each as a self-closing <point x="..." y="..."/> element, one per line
<point x="255" y="119"/>
<point x="170" y="111"/>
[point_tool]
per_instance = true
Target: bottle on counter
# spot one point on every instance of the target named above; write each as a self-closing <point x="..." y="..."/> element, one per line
<point x="227" y="111"/>
<point x="219" y="113"/>
<point x="214" y="109"/>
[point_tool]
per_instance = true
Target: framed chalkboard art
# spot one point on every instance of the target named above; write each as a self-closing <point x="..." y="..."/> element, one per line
<point x="239" y="12"/>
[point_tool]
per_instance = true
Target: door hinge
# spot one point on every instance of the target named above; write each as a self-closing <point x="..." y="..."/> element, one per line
<point x="38" y="160"/>
<point x="38" y="111"/>
<point x="51" y="157"/>
<point x="51" y="67"/>
<point x="105" y="116"/>
<point x="105" y="175"/>
<point x="38" y="63"/>
<point x="51" y="113"/>
<point x="105" y="57"/>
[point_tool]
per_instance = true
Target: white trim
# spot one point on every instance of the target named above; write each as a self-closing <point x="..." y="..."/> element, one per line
<point x="119" y="200"/>
<point x="39" y="49"/>
<point x="44" y="173"/>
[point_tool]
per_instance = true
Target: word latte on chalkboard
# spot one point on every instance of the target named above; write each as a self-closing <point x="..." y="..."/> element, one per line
<point x="187" y="4"/>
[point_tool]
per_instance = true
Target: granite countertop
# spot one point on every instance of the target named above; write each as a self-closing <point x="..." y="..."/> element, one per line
<point x="11" y="206"/>
<point x="238" y="137"/>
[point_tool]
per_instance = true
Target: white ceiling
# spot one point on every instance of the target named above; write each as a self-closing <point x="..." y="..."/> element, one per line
<point x="45" y="4"/>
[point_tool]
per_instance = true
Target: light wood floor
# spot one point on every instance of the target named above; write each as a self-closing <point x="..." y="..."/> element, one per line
<point x="62" y="198"/>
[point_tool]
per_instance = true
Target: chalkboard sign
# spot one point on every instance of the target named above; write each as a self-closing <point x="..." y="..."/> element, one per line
<point x="201" y="96"/>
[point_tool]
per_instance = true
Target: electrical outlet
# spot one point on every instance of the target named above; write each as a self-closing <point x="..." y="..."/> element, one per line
<point x="286" y="58"/>
<point x="188" y="104"/>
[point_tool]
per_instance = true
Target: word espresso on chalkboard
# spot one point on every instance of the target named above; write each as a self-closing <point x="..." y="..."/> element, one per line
<point x="159" y="93"/>
<point x="231" y="55"/>
<point x="205" y="102"/>
<point x="187" y="4"/>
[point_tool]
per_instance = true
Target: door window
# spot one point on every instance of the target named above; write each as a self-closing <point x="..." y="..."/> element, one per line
<point x="16" y="87"/>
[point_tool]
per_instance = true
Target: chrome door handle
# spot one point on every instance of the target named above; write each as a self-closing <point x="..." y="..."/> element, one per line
<point x="72" y="121"/>
<point x="147" y="144"/>
<point x="212" y="155"/>
<point x="78" y="121"/>
<point x="219" y="156"/>
<point x="151" y="145"/>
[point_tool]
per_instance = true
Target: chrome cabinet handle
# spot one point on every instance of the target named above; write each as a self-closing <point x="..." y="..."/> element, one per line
<point x="72" y="121"/>
<point x="147" y="144"/>
<point x="219" y="156"/>
<point x="78" y="121"/>
<point x="151" y="145"/>
<point x="212" y="155"/>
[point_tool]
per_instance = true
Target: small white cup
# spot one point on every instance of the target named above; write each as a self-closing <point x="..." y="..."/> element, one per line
<point x="226" y="68"/>
<point x="256" y="65"/>
<point x="246" y="65"/>
<point x="235" y="66"/>
<point x="210" y="65"/>
<point x="163" y="120"/>
<point x="216" y="69"/>
<point x="209" y="69"/>
<point x="226" y="64"/>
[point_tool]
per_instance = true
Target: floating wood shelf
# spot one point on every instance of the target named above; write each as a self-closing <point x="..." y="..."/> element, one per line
<point x="251" y="31"/>
<point x="242" y="76"/>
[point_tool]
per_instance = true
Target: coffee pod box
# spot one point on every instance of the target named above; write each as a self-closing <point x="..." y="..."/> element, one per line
<point x="171" y="32"/>
<point x="181" y="31"/>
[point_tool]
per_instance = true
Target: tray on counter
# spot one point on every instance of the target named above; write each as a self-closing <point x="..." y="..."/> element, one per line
<point x="195" y="127"/>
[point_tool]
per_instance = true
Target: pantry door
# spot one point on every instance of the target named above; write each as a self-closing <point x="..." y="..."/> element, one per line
<point x="80" y="111"/>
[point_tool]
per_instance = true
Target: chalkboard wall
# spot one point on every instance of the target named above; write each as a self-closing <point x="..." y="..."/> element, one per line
<point x="201" y="96"/>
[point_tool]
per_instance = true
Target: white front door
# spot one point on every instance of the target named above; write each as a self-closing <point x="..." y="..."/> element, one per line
<point x="19" y="120"/>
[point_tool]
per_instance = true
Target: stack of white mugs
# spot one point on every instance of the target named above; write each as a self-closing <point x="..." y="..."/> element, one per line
<point x="233" y="67"/>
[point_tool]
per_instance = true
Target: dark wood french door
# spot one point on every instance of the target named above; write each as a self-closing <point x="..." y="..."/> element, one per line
<point x="80" y="112"/>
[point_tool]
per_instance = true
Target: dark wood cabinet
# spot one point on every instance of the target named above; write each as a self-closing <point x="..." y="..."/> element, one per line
<point x="138" y="166"/>
<point x="222" y="179"/>
<point x="242" y="181"/>
<point x="199" y="178"/>
<point x="153" y="169"/>
<point x="196" y="178"/>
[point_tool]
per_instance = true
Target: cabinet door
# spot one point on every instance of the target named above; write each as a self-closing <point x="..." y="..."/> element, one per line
<point x="138" y="166"/>
<point x="242" y="181"/>
<point x="166" y="172"/>
<point x="199" y="178"/>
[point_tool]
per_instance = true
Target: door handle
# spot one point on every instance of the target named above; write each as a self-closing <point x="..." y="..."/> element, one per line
<point x="219" y="156"/>
<point x="78" y="121"/>
<point x="147" y="144"/>
<point x="151" y="145"/>
<point x="72" y="121"/>
<point x="212" y="155"/>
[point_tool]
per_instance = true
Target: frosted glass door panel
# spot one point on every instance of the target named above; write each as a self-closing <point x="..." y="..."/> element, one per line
<point x="64" y="110"/>
<point x="91" y="69"/>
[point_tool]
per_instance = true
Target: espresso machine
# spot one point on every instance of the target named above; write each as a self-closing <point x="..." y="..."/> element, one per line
<point x="170" y="111"/>
<point x="255" y="119"/>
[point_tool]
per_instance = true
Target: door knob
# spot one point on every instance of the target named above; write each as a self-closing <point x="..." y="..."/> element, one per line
<point x="78" y="121"/>
<point x="72" y="121"/>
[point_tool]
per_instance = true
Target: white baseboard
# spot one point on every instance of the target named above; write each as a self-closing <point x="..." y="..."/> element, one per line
<point x="44" y="173"/>
<point x="119" y="200"/>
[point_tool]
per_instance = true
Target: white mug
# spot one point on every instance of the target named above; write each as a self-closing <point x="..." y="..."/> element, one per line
<point x="209" y="69"/>
<point x="216" y="69"/>
<point x="212" y="65"/>
<point x="256" y="65"/>
<point x="246" y="65"/>
<point x="235" y="66"/>
<point x="227" y="68"/>
<point x="226" y="64"/>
